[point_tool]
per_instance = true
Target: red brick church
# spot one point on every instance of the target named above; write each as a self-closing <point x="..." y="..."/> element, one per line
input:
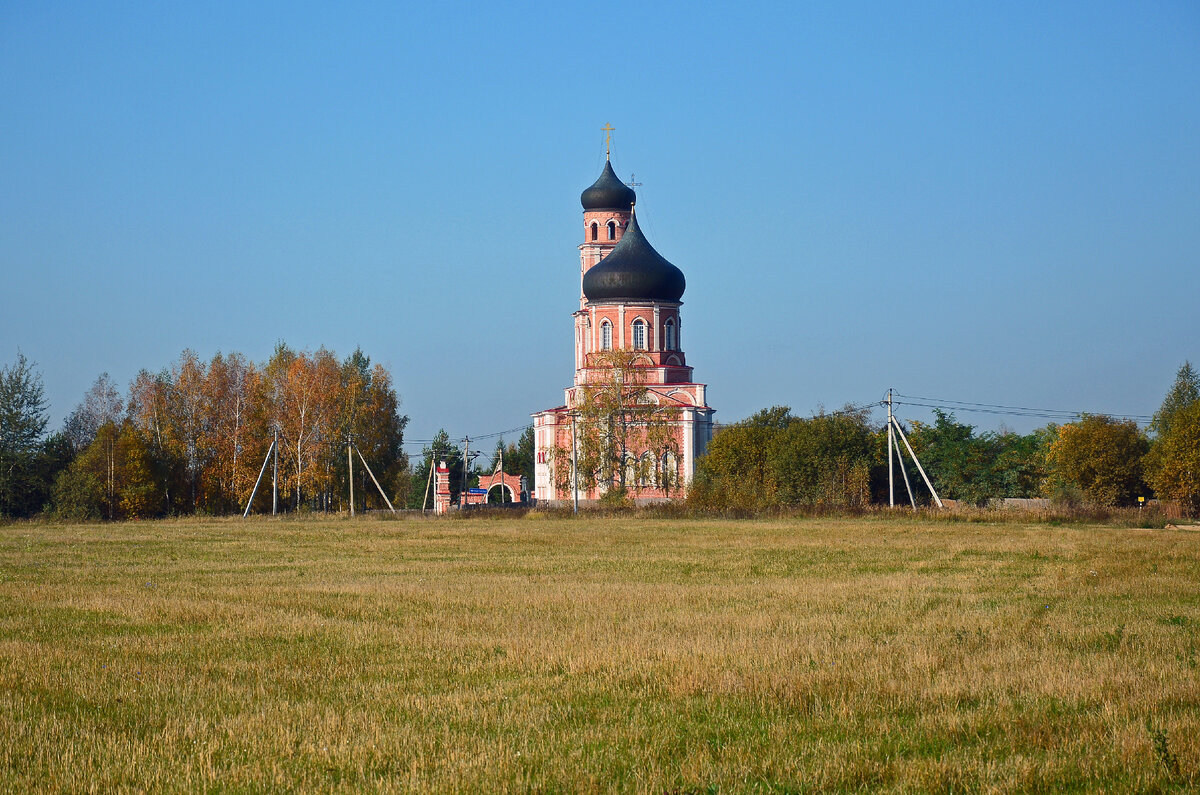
<point x="629" y="302"/>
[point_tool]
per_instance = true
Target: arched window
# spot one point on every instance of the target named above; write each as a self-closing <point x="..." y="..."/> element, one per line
<point x="669" y="335"/>
<point x="668" y="474"/>
<point x="646" y="470"/>
<point x="595" y="231"/>
<point x="639" y="335"/>
<point x="612" y="230"/>
<point x="606" y="336"/>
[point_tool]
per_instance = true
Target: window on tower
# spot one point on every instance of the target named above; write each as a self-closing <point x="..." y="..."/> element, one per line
<point x="595" y="231"/>
<point x="612" y="230"/>
<point x="669" y="335"/>
<point x="639" y="335"/>
<point x="606" y="336"/>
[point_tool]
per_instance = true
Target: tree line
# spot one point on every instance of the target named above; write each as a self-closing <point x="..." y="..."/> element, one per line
<point x="838" y="460"/>
<point x="192" y="438"/>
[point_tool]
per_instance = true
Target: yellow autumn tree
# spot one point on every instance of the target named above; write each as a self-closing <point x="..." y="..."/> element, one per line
<point x="1175" y="473"/>
<point x="1100" y="458"/>
<point x="618" y="413"/>
<point x="188" y="414"/>
<point x="228" y="385"/>
<point x="303" y="392"/>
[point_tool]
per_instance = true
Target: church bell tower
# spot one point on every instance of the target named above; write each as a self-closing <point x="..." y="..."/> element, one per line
<point x="629" y="300"/>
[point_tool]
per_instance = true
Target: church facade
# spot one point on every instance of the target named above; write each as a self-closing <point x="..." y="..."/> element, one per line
<point x="628" y="332"/>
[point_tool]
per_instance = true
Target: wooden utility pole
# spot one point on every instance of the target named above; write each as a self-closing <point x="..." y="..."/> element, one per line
<point x="350" y="461"/>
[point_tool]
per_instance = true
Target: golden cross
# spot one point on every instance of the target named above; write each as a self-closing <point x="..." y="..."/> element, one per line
<point x="608" y="131"/>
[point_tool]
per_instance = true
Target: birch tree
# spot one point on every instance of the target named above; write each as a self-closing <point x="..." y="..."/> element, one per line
<point x="618" y="416"/>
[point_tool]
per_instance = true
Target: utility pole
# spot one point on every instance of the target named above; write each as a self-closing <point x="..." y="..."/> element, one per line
<point x="920" y="468"/>
<point x="254" y="491"/>
<point x="904" y="471"/>
<point x="891" y="441"/>
<point x="574" y="467"/>
<point x="275" y="475"/>
<point x="375" y="480"/>
<point x="894" y="430"/>
<point x="428" y="483"/>
<point x="462" y="495"/>
<point x="350" y="461"/>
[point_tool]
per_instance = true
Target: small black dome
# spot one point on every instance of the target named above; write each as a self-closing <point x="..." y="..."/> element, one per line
<point x="608" y="193"/>
<point x="633" y="271"/>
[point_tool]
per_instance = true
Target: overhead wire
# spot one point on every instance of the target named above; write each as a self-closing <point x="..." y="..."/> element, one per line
<point x="946" y="404"/>
<point x="519" y="428"/>
<point x="1064" y="415"/>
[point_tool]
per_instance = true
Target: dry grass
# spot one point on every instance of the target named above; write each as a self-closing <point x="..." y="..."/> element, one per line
<point x="629" y="654"/>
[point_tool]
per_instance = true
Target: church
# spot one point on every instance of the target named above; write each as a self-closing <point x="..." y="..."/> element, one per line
<point x="628" y="341"/>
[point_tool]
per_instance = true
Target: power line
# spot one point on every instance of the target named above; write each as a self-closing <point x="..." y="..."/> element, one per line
<point x="1012" y="411"/>
<point x="521" y="428"/>
<point x="1001" y="406"/>
<point x="473" y="437"/>
<point x="955" y="408"/>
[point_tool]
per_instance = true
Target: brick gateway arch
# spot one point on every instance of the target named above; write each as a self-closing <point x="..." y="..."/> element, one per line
<point x="514" y="483"/>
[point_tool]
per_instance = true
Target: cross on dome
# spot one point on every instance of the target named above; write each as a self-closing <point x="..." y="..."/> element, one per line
<point x="608" y="130"/>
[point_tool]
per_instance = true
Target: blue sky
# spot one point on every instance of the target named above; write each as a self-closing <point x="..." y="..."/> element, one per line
<point x="983" y="202"/>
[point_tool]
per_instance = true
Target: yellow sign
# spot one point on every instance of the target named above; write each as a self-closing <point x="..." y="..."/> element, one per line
<point x="1141" y="499"/>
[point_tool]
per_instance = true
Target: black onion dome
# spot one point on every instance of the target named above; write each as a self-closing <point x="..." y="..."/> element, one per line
<point x="633" y="271"/>
<point x="608" y="192"/>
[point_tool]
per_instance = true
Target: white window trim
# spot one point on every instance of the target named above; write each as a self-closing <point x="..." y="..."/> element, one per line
<point x="633" y="333"/>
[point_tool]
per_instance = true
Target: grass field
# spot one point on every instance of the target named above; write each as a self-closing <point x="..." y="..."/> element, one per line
<point x="553" y="654"/>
